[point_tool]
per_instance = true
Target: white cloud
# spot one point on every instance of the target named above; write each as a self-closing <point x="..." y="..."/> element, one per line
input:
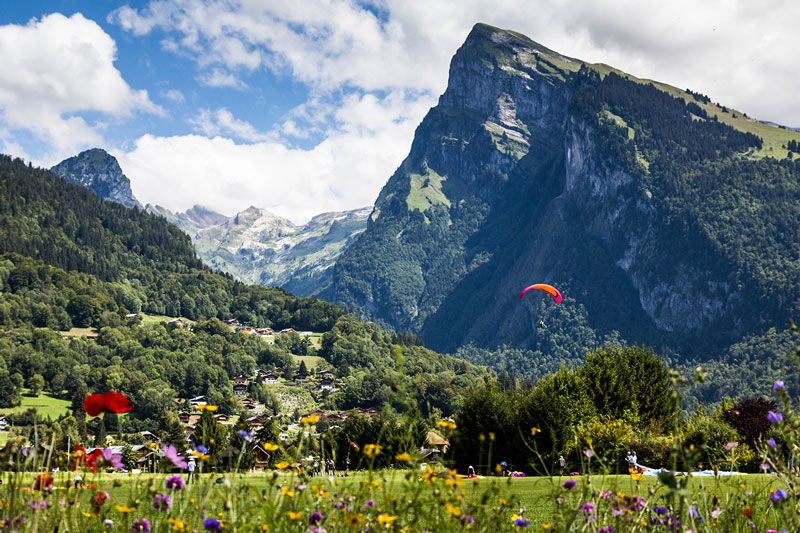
<point x="174" y="95"/>
<point x="220" y="78"/>
<point x="733" y="51"/>
<point x="54" y="68"/>
<point x="222" y="121"/>
<point x="342" y="172"/>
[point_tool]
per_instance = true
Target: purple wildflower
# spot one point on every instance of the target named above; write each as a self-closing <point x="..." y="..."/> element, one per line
<point x="114" y="459"/>
<point x="467" y="519"/>
<point x="174" y="483"/>
<point x="140" y="526"/>
<point x="162" y="502"/>
<point x="607" y="529"/>
<point x="764" y="466"/>
<point x="778" y="495"/>
<point x="212" y="524"/>
<point x="778" y="385"/>
<point x="606" y="494"/>
<point x="730" y="446"/>
<point x="587" y="507"/>
<point x="171" y="453"/>
<point x="771" y="443"/>
<point x="588" y="453"/>
<point x="245" y="435"/>
<point x="369" y="503"/>
<point x="569" y="484"/>
<point x="660" y="510"/>
<point x="715" y="513"/>
<point x="315" y="518"/>
<point x="521" y="522"/>
<point x="774" y="417"/>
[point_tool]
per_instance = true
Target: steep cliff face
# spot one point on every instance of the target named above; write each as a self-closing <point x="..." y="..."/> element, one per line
<point x="98" y="171"/>
<point x="539" y="167"/>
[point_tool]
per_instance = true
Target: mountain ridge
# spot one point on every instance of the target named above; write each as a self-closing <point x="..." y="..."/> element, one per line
<point x="538" y="167"/>
<point x="98" y="171"/>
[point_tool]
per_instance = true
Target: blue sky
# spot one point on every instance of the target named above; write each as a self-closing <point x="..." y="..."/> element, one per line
<point x="304" y="107"/>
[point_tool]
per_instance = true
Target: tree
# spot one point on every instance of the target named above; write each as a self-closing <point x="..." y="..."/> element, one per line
<point x="35" y="384"/>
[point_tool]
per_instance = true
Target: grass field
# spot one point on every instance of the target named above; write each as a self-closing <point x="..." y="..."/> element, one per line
<point x="536" y="495"/>
<point x="45" y="406"/>
<point x="312" y="361"/>
<point x="79" y="332"/>
<point x="158" y="319"/>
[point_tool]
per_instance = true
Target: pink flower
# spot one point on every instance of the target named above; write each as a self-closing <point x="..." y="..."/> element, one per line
<point x="171" y="453"/>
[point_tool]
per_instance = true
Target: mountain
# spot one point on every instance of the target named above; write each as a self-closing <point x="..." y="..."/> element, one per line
<point x="69" y="259"/>
<point x="98" y="171"/>
<point x="192" y="220"/>
<point x="665" y="218"/>
<point x="256" y="246"/>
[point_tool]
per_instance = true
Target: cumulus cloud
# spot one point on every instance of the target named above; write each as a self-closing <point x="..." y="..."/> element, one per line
<point x="54" y="68"/>
<point x="344" y="171"/>
<point x="732" y="51"/>
<point x="222" y="122"/>
<point x="174" y="95"/>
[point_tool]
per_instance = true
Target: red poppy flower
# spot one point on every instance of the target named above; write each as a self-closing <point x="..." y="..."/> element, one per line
<point x="43" y="481"/>
<point x="109" y="402"/>
<point x="91" y="458"/>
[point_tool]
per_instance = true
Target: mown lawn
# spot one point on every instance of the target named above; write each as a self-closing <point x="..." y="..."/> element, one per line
<point x="45" y="405"/>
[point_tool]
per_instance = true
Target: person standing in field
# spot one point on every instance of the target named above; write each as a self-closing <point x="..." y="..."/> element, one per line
<point x="191" y="468"/>
<point x="562" y="463"/>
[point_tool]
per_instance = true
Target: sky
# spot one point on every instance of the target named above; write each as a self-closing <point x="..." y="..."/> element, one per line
<point x="305" y="107"/>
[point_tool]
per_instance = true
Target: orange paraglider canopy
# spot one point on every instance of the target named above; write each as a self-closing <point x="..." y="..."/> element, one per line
<point x="549" y="289"/>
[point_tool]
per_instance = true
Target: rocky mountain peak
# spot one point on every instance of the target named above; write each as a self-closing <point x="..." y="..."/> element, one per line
<point x="98" y="171"/>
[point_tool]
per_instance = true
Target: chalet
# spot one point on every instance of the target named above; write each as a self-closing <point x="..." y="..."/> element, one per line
<point x="326" y="374"/>
<point x="232" y="322"/>
<point x="326" y="384"/>
<point x="288" y="330"/>
<point x="300" y="378"/>
<point x="270" y="378"/>
<point x="146" y="435"/>
<point x="278" y="370"/>
<point x="198" y="400"/>
<point x="131" y="316"/>
<point x="240" y="380"/>
<point x="223" y="419"/>
<point x="263" y="457"/>
<point x="247" y="329"/>
<point x="240" y="389"/>
<point x="176" y="322"/>
<point x="183" y="416"/>
<point x="370" y="412"/>
<point x="265" y="331"/>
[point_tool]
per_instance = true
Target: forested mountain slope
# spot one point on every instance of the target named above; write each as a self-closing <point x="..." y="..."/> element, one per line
<point x="661" y="215"/>
<point x="70" y="259"/>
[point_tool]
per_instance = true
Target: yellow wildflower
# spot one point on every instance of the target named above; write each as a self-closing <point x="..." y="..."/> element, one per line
<point x="404" y="457"/>
<point x="283" y="465"/>
<point x="428" y="474"/>
<point x="498" y="468"/>
<point x="124" y="509"/>
<point x="491" y="436"/>
<point x="447" y="423"/>
<point x="635" y="474"/>
<point x="200" y="455"/>
<point x="270" y="447"/>
<point x="286" y="492"/>
<point x="452" y="509"/>
<point x="535" y="431"/>
<point x="386" y="520"/>
<point x="503" y="502"/>
<point x="547" y="525"/>
<point x="207" y="407"/>
<point x="372" y="450"/>
<point x="264" y="527"/>
<point x="177" y="525"/>
<point x="310" y="419"/>
<point x="294" y="515"/>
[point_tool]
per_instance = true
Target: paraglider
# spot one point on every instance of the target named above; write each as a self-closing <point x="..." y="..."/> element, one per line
<point x="549" y="289"/>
